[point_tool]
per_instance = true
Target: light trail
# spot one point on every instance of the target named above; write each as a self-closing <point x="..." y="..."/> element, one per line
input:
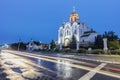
<point x="55" y="60"/>
<point x="70" y="60"/>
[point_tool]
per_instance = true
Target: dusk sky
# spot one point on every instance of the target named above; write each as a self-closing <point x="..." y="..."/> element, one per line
<point x="40" y="19"/>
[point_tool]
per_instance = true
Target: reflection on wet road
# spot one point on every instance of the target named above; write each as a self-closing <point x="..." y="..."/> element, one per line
<point x="62" y="71"/>
<point x="70" y="69"/>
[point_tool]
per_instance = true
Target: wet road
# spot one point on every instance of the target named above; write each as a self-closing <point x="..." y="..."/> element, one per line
<point x="60" y="68"/>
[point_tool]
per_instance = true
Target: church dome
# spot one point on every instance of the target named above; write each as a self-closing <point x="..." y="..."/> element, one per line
<point x="74" y="16"/>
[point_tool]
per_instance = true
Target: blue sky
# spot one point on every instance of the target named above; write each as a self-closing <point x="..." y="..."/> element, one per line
<point x="40" y="19"/>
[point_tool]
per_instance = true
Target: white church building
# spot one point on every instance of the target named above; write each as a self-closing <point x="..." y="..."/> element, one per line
<point x="84" y="35"/>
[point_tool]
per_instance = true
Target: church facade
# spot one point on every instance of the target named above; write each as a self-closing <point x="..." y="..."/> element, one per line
<point x="84" y="35"/>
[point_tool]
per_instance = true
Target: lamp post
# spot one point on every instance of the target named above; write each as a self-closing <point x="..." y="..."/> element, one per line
<point x="60" y="46"/>
<point x="77" y="45"/>
<point x="49" y="46"/>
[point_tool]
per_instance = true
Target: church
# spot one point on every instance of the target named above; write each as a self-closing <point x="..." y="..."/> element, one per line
<point x="84" y="35"/>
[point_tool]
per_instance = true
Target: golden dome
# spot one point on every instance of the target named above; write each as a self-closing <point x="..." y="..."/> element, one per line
<point x="74" y="16"/>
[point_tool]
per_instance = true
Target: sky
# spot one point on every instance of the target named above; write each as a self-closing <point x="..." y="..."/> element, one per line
<point x="41" y="19"/>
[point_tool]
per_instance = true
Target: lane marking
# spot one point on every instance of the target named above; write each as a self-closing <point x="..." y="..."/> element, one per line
<point x="114" y="69"/>
<point x="56" y="61"/>
<point x="90" y="74"/>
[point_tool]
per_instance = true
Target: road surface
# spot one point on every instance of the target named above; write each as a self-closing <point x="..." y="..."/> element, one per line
<point x="65" y="67"/>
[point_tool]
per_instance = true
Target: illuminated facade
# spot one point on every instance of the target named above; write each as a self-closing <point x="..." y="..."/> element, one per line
<point x="83" y="34"/>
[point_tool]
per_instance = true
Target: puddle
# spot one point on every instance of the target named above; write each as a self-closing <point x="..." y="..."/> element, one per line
<point x="1" y="69"/>
<point x="8" y="63"/>
<point x="17" y="70"/>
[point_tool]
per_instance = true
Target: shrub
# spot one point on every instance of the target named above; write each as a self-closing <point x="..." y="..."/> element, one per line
<point x="115" y="52"/>
<point x="74" y="51"/>
<point x="97" y="51"/>
<point x="37" y="50"/>
<point x="114" y="44"/>
<point x="56" y="50"/>
<point x="82" y="50"/>
<point x="67" y="50"/>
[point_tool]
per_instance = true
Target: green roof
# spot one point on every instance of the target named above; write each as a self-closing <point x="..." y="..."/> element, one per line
<point x="89" y="32"/>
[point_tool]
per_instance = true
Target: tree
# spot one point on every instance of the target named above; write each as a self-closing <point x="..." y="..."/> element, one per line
<point x="113" y="40"/>
<point x="98" y="42"/>
<point x="114" y="44"/>
<point x="37" y="42"/>
<point x="23" y="46"/>
<point x="53" y="45"/>
<point x="119" y="41"/>
<point x="16" y="45"/>
<point x="73" y="42"/>
<point x="110" y="35"/>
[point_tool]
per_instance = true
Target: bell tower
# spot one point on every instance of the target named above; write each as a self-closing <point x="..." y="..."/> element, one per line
<point x="74" y="16"/>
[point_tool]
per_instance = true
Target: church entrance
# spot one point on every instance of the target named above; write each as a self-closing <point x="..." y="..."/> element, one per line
<point x="67" y="42"/>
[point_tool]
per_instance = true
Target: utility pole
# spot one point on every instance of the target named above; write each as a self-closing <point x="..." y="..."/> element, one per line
<point x="19" y="44"/>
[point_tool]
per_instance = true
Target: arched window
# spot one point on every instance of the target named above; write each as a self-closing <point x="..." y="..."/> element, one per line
<point x="83" y="41"/>
<point x="67" y="32"/>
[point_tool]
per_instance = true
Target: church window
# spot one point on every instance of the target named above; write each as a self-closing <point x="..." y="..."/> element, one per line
<point x="83" y="41"/>
<point x="67" y="32"/>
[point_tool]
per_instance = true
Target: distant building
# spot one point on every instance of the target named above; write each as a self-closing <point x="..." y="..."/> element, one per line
<point x="32" y="45"/>
<point x="83" y="34"/>
<point x="4" y="46"/>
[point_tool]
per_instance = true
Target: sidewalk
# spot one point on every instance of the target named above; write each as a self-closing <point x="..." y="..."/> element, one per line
<point x="113" y="59"/>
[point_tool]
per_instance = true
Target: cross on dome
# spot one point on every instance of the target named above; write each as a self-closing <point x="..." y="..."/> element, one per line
<point x="73" y="8"/>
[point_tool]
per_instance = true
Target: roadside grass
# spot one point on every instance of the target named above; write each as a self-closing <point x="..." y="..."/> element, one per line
<point x="110" y="56"/>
